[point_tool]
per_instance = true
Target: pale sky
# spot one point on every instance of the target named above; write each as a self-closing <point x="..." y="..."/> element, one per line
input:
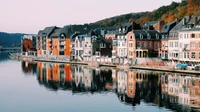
<point x="30" y="16"/>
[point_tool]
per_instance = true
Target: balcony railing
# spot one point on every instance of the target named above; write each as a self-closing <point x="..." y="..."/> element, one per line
<point x="185" y="49"/>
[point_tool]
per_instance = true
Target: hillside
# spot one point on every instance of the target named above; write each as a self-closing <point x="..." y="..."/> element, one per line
<point x="10" y="39"/>
<point x="167" y="13"/>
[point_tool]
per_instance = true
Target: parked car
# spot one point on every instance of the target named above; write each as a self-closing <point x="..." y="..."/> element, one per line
<point x="182" y="66"/>
<point x="191" y="67"/>
<point x="197" y="68"/>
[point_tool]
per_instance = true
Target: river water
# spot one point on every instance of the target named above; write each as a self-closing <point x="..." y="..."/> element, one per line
<point x="53" y="87"/>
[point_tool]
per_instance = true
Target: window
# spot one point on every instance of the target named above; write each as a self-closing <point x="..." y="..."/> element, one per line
<point x="199" y="55"/>
<point x="149" y="44"/>
<point x="143" y="44"/>
<point x="193" y="35"/>
<point x="157" y="36"/>
<point x="157" y="44"/>
<point x="149" y="36"/>
<point x="188" y="55"/>
<point x="131" y="37"/>
<point x="138" y="44"/>
<point x="199" y="44"/>
<point x="81" y="44"/>
<point x="193" y="55"/>
<point x="141" y="36"/>
<point x="193" y="45"/>
<point x="184" y="55"/>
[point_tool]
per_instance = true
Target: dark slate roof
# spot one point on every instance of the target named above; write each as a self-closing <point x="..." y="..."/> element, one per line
<point x="82" y="29"/>
<point x="127" y="26"/>
<point x="56" y="33"/>
<point x="189" y="24"/>
<point x="40" y="33"/>
<point x="196" y="28"/>
<point x="151" y="23"/>
<point x="166" y="28"/>
<point x="143" y="34"/>
<point x="67" y="31"/>
<point x="48" y="30"/>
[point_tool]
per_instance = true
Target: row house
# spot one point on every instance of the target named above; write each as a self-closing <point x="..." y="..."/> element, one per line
<point x="90" y="44"/>
<point x="120" y="41"/>
<point x="189" y="40"/>
<point x="164" y="39"/>
<point x="178" y="40"/>
<point x="143" y="43"/>
<point x="54" y="42"/>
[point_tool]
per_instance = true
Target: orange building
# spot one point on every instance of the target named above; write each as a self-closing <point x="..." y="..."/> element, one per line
<point x="54" y="42"/>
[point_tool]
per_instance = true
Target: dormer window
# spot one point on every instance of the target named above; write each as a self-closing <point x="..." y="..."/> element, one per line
<point x="119" y="29"/>
<point x="141" y="36"/>
<point x="148" y="36"/>
<point x="157" y="36"/>
<point x="123" y="29"/>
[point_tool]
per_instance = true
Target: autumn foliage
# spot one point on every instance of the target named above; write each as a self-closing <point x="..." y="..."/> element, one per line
<point x="167" y="13"/>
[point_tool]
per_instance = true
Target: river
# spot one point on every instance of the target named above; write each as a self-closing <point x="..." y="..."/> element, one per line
<point x="54" y="87"/>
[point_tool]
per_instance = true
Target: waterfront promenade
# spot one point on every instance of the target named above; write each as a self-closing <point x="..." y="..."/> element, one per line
<point x="95" y="64"/>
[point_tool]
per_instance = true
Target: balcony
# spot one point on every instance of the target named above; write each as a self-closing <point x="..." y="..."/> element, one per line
<point x="186" y="49"/>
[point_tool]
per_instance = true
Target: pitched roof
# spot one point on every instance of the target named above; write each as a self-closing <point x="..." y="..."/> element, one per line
<point x="48" y="30"/>
<point x="56" y="33"/>
<point x="167" y="27"/>
<point x="145" y="25"/>
<point x="144" y="35"/>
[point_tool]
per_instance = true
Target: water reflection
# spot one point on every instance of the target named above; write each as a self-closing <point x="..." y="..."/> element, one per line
<point x="173" y="91"/>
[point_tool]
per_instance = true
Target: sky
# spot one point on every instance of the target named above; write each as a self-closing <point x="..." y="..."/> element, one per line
<point x="30" y="16"/>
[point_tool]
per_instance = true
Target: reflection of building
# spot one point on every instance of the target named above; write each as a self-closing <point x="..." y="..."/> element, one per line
<point x="54" y="72"/>
<point x="172" y="91"/>
<point x="181" y="89"/>
<point x="122" y="82"/>
<point x="131" y="83"/>
<point x="29" y="67"/>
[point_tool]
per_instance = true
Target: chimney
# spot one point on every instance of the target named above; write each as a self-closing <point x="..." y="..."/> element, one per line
<point x="184" y="21"/>
<point x="195" y="20"/>
<point x="133" y="25"/>
<point x="160" y="25"/>
<point x="189" y="17"/>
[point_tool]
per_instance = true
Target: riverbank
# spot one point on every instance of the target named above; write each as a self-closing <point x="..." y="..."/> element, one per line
<point x="124" y="67"/>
